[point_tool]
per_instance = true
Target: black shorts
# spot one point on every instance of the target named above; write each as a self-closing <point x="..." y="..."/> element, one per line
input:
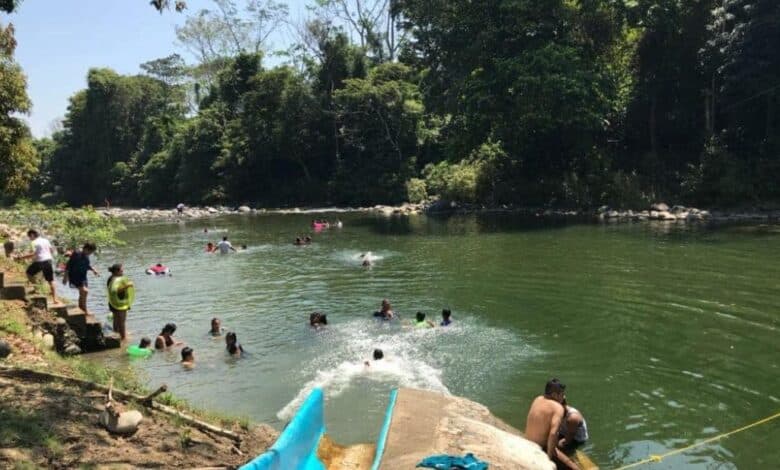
<point x="77" y="283"/>
<point x="41" y="266"/>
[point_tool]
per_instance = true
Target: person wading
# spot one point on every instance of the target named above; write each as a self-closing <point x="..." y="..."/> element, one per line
<point x="76" y="273"/>
<point x="119" y="297"/>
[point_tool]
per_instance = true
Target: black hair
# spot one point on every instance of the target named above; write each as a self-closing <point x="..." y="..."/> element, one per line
<point x="186" y="352"/>
<point x="32" y="232"/>
<point x="231" y="338"/>
<point x="378" y="354"/>
<point x="318" y="318"/>
<point x="446" y="313"/>
<point x="224" y="239"/>
<point x="169" y="328"/>
<point x="553" y="386"/>
<point x="420" y="316"/>
<point x="145" y="342"/>
<point x="89" y="246"/>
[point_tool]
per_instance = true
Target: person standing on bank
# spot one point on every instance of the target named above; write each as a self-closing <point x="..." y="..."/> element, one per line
<point x="76" y="273"/>
<point x="42" y="259"/>
<point x="120" y="297"/>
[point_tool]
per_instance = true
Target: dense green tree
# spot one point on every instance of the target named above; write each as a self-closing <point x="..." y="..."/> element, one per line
<point x="104" y="127"/>
<point x="18" y="159"/>
<point x="381" y="118"/>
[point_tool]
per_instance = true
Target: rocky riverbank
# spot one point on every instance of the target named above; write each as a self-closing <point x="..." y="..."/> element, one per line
<point x="659" y="212"/>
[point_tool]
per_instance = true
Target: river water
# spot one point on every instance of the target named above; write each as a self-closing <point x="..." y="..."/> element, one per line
<point x="664" y="334"/>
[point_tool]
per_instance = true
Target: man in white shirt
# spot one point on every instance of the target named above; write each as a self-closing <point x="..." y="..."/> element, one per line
<point x="225" y="246"/>
<point x="42" y="261"/>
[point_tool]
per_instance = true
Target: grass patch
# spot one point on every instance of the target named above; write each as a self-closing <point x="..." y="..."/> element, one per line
<point x="12" y="326"/>
<point x="22" y="428"/>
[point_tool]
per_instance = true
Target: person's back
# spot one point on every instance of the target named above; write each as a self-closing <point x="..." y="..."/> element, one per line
<point x="540" y="416"/>
<point x="224" y="246"/>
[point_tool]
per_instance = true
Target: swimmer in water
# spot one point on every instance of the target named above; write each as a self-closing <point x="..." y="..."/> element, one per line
<point x="446" y="319"/>
<point x="318" y="320"/>
<point x="188" y="358"/>
<point x="421" y="322"/>
<point x="386" y="311"/>
<point x="378" y="356"/>
<point x="233" y="346"/>
<point x="216" y="327"/>
<point x="368" y="259"/>
<point x="145" y="343"/>
<point x="307" y="240"/>
<point x="165" y="338"/>
<point x="210" y="247"/>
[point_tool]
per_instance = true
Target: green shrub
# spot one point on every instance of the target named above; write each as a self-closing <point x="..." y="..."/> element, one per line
<point x="416" y="191"/>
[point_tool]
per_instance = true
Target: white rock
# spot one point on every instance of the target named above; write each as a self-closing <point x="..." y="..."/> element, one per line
<point x="244" y="209"/>
<point x="48" y="340"/>
<point x="659" y="206"/>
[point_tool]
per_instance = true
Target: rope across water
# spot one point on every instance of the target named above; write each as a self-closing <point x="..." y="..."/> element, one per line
<point x="659" y="458"/>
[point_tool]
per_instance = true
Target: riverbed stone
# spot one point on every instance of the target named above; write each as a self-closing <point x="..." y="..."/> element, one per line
<point x="5" y="349"/>
<point x="660" y="207"/>
<point x="244" y="209"/>
<point x="667" y="216"/>
<point x="677" y="210"/>
<point x="48" y="340"/>
<point x="654" y="215"/>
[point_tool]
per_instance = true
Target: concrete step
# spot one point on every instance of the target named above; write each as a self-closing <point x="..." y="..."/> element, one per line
<point x="94" y="326"/>
<point x="77" y="320"/>
<point x="39" y="301"/>
<point x="2" y="280"/>
<point x="61" y="310"/>
<point x="13" y="291"/>
<point x="112" y="341"/>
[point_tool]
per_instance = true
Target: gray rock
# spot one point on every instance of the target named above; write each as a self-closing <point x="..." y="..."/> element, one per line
<point x="244" y="209"/>
<point x="659" y="206"/>
<point x="48" y="340"/>
<point x="676" y="210"/>
<point x="5" y="349"/>
<point x="664" y="215"/>
<point x="654" y="215"/>
<point x="211" y="210"/>
<point x="613" y="214"/>
<point x="72" y="350"/>
<point x="602" y="209"/>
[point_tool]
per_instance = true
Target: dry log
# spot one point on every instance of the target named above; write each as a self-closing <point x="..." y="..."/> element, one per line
<point x="29" y="374"/>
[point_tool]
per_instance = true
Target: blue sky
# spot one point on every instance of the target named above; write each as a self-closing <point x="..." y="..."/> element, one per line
<point x="60" y="40"/>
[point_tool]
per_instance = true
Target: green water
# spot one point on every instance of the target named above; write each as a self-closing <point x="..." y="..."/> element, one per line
<point x="665" y="335"/>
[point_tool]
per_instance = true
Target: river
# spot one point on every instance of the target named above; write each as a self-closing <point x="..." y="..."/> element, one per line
<point x="664" y="334"/>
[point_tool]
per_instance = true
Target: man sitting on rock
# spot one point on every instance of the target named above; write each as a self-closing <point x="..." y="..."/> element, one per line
<point x="544" y="421"/>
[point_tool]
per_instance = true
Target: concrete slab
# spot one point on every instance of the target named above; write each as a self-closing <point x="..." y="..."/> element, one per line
<point x="427" y="423"/>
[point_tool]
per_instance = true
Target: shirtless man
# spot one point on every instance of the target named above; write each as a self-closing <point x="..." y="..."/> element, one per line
<point x="544" y="420"/>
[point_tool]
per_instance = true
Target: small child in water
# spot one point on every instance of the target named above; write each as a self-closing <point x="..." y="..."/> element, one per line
<point x="187" y="357"/>
<point x="445" y="317"/>
<point x="145" y="343"/>
<point x="233" y="346"/>
<point x="378" y="356"/>
<point x="421" y="322"/>
<point x="318" y="319"/>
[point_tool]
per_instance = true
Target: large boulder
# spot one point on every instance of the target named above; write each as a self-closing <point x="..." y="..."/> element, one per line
<point x="244" y="209"/>
<point x="659" y="207"/>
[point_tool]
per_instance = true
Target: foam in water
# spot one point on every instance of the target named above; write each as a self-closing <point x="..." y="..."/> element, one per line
<point x="416" y="358"/>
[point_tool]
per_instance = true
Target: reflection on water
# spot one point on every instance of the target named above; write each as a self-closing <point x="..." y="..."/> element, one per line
<point x="665" y="333"/>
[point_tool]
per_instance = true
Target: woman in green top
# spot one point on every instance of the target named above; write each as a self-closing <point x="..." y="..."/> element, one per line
<point x="121" y="294"/>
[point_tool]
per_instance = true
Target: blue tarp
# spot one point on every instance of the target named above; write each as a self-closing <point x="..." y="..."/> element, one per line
<point x="452" y="462"/>
<point x="296" y="448"/>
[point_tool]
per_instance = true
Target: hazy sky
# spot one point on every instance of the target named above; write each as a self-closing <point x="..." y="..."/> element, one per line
<point x="60" y="40"/>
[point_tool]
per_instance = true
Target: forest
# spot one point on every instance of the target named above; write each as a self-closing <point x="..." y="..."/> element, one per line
<point x="555" y="103"/>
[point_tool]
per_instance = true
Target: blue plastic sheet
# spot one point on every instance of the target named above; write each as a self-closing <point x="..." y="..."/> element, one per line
<point x="296" y="448"/>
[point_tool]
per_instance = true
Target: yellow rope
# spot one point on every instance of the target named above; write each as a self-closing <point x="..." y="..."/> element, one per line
<point x="658" y="458"/>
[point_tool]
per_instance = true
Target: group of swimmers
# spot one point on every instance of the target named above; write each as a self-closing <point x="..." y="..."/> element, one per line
<point x="386" y="313"/>
<point x="166" y="341"/>
<point x="224" y="247"/>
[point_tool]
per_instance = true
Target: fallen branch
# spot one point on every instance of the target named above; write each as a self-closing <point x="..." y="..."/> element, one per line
<point x="29" y="374"/>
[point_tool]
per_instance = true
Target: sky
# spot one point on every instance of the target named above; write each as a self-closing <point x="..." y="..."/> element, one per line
<point x="60" y="40"/>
